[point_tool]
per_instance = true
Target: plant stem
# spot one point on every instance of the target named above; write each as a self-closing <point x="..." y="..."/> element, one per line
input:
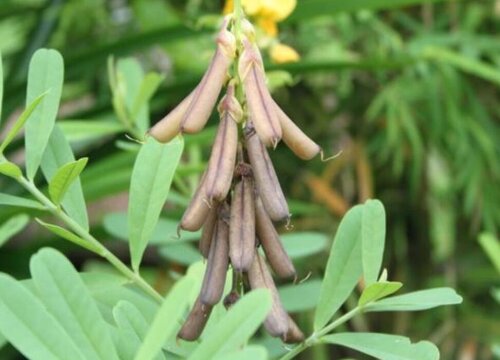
<point x="84" y="234"/>
<point x="316" y="337"/>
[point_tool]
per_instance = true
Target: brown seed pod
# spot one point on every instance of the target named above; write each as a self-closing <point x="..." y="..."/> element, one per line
<point x="265" y="177"/>
<point x="276" y="322"/>
<point x="242" y="225"/>
<point x="231" y="299"/>
<point x="223" y="157"/>
<point x="197" y="212"/>
<point x="301" y="144"/>
<point x="215" y="274"/>
<point x="260" y="103"/>
<point x="195" y="322"/>
<point x="294" y="334"/>
<point x="208" y="231"/>
<point x="271" y="243"/>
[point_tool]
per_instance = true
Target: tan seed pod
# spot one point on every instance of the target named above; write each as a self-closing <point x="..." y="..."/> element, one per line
<point x="276" y="322"/>
<point x="168" y="127"/>
<point x="294" y="334"/>
<point x="208" y="231"/>
<point x="271" y="243"/>
<point x="301" y="144"/>
<point x="195" y="322"/>
<point x="265" y="177"/>
<point x="259" y="102"/>
<point x="215" y="274"/>
<point x="223" y="157"/>
<point x="208" y="90"/>
<point x="242" y="225"/>
<point x="197" y="211"/>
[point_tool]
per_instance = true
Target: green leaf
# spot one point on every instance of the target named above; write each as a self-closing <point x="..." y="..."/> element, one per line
<point x="58" y="153"/>
<point x="46" y="73"/>
<point x="300" y="297"/>
<point x="68" y="235"/>
<point x="492" y="248"/>
<point x="385" y="346"/>
<point x="11" y="200"/>
<point x="166" y="320"/>
<point x="65" y="295"/>
<point x="10" y="169"/>
<point x="378" y="291"/>
<point x="132" y="327"/>
<point x="29" y="327"/>
<point x="1" y="87"/>
<point x="372" y="239"/>
<point x="19" y="123"/>
<point x="152" y="176"/>
<point x="64" y="177"/>
<point x="148" y="87"/>
<point x="302" y="244"/>
<point x="85" y="130"/>
<point x="418" y="300"/>
<point x="250" y="352"/>
<point x="181" y="253"/>
<point x="343" y="269"/>
<point x="13" y="226"/>
<point x="236" y="327"/>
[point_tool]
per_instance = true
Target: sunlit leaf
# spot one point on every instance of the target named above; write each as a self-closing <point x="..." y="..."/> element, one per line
<point x="343" y="269"/>
<point x="10" y="169"/>
<point x="45" y="76"/>
<point x="385" y="346"/>
<point x="151" y="178"/>
<point x="378" y="291"/>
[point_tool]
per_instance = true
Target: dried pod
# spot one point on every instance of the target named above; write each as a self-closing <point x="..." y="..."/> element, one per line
<point x="223" y="157"/>
<point x="271" y="243"/>
<point x="242" y="224"/>
<point x="168" y="127"/>
<point x="197" y="212"/>
<point x="260" y="104"/>
<point x="215" y="274"/>
<point x="196" y="321"/>
<point x="301" y="144"/>
<point x="207" y="92"/>
<point x="231" y="299"/>
<point x="294" y="334"/>
<point x="276" y="322"/>
<point x="208" y="231"/>
<point x="265" y="177"/>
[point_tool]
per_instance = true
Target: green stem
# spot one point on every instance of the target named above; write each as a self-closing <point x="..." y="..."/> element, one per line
<point x="316" y="337"/>
<point x="84" y="234"/>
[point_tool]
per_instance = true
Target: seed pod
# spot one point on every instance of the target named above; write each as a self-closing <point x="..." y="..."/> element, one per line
<point x="208" y="90"/>
<point x="265" y="177"/>
<point x="223" y="157"/>
<point x="276" y="322"/>
<point x="301" y="144"/>
<point x="271" y="243"/>
<point x="260" y="104"/>
<point x="294" y="334"/>
<point x="215" y="274"/>
<point x="242" y="225"/>
<point x="196" y="321"/>
<point x="208" y="231"/>
<point x="231" y="299"/>
<point x="197" y="212"/>
<point x="168" y="127"/>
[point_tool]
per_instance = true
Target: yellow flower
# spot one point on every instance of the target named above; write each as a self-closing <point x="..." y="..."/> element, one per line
<point x="281" y="53"/>
<point x="272" y="10"/>
<point x="268" y="26"/>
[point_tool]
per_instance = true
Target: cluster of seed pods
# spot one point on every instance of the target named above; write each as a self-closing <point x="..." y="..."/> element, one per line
<point x="239" y="198"/>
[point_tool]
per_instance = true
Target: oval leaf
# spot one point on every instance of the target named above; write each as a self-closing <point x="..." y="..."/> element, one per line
<point x="11" y="200"/>
<point x="301" y="296"/>
<point x="372" y="239"/>
<point x="65" y="295"/>
<point x="46" y="75"/>
<point x="64" y="177"/>
<point x="343" y="269"/>
<point x="10" y="169"/>
<point x="29" y="327"/>
<point x="236" y="327"/>
<point x="378" y="290"/>
<point x="13" y="226"/>
<point x="385" y="346"/>
<point x="151" y="179"/>
<point x="302" y="244"/>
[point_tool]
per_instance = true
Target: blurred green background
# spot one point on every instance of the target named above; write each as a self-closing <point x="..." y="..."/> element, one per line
<point x="408" y="90"/>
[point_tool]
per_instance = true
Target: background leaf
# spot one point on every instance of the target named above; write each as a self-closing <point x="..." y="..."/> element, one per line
<point x="13" y="226"/>
<point x="64" y="178"/>
<point x="302" y="244"/>
<point x="149" y="188"/>
<point x="46" y="75"/>
<point x="492" y="248"/>
<point x="343" y="269"/>
<point x="11" y="200"/>
<point x="372" y="239"/>
<point x="385" y="347"/>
